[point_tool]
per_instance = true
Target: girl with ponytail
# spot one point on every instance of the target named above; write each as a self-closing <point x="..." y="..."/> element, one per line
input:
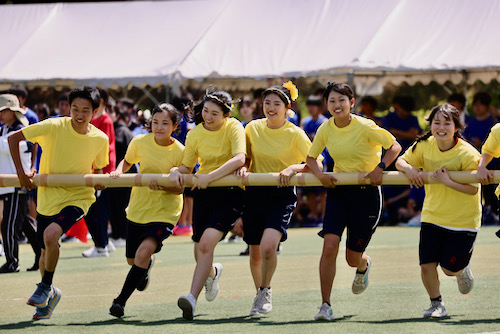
<point x="451" y="214"/>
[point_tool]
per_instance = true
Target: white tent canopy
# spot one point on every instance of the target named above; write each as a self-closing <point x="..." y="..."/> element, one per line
<point x="238" y="41"/>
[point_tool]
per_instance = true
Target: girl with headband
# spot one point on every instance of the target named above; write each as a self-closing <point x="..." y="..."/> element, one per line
<point x="274" y="145"/>
<point x="218" y="144"/>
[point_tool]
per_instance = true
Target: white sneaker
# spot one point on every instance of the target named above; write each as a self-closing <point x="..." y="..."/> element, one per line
<point x="325" y="313"/>
<point x="2" y="253"/>
<point x="118" y="242"/>
<point x="96" y="252"/>
<point x="255" y="306"/>
<point x="436" y="310"/>
<point x="465" y="280"/>
<point x="361" y="281"/>
<point x="187" y="304"/>
<point x="212" y="284"/>
<point x="110" y="247"/>
<point x="264" y="300"/>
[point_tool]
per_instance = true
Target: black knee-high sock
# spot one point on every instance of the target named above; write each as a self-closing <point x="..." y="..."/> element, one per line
<point x="47" y="277"/>
<point x="134" y="276"/>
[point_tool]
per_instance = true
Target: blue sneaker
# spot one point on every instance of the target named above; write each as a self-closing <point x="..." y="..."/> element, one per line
<point x="41" y="296"/>
<point x="361" y="281"/>
<point x="46" y="312"/>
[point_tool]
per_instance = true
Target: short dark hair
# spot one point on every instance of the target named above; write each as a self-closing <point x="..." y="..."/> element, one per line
<point x="64" y="97"/>
<point x="314" y="100"/>
<point x="258" y="93"/>
<point x="405" y="102"/>
<point x="460" y="98"/>
<point x="245" y="101"/>
<point x="18" y="90"/>
<point x="370" y="100"/>
<point x="104" y="95"/>
<point x="127" y="101"/>
<point x="339" y="87"/>
<point x="86" y="92"/>
<point x="483" y="97"/>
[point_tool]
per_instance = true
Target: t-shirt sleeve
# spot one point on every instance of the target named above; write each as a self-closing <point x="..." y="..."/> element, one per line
<point x="471" y="160"/>
<point x="247" y="140"/>
<point x="190" y="155"/>
<point x="414" y="157"/>
<point x="132" y="156"/>
<point x="238" y="142"/>
<point x="379" y="135"/>
<point x="34" y="132"/>
<point x="102" y="158"/>
<point x="492" y="143"/>
<point x="302" y="143"/>
<point x="319" y="142"/>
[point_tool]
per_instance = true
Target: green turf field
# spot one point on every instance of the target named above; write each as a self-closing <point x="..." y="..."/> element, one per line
<point x="392" y="304"/>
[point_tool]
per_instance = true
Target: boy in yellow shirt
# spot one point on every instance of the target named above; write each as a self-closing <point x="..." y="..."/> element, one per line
<point x="71" y="146"/>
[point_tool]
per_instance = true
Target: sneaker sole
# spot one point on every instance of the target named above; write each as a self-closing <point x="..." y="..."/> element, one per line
<point x="52" y="305"/>
<point x="186" y="307"/>
<point x="323" y="318"/>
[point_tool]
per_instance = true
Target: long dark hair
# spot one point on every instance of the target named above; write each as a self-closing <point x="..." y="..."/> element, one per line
<point x="449" y="112"/>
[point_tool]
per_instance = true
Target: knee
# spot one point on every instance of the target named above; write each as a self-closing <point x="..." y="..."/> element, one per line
<point x="268" y="251"/>
<point x="330" y="249"/>
<point x="204" y="249"/>
<point x="51" y="238"/>
<point x="141" y="255"/>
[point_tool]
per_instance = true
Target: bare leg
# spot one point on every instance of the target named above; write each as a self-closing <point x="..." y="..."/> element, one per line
<point x="328" y="264"/>
<point x="268" y="245"/>
<point x="256" y="265"/>
<point x="430" y="278"/>
<point x="51" y="237"/>
<point x="204" y="254"/>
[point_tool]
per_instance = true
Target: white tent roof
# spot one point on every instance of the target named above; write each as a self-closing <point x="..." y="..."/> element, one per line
<point x="221" y="40"/>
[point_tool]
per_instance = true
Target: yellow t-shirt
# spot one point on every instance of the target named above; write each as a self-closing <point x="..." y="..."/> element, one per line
<point x="443" y="205"/>
<point x="146" y="205"/>
<point x="273" y="150"/>
<point x="354" y="148"/>
<point x="492" y="147"/>
<point x="213" y="148"/>
<point x="67" y="152"/>
<point x="492" y="144"/>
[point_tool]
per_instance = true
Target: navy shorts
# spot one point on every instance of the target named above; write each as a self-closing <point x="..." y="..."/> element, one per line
<point x="452" y="250"/>
<point x="68" y="217"/>
<point x="267" y="207"/>
<point x="136" y="233"/>
<point x="357" y="208"/>
<point x="312" y="190"/>
<point x="216" y="207"/>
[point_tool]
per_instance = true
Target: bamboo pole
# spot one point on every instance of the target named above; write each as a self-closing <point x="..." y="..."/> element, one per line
<point x="253" y="179"/>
